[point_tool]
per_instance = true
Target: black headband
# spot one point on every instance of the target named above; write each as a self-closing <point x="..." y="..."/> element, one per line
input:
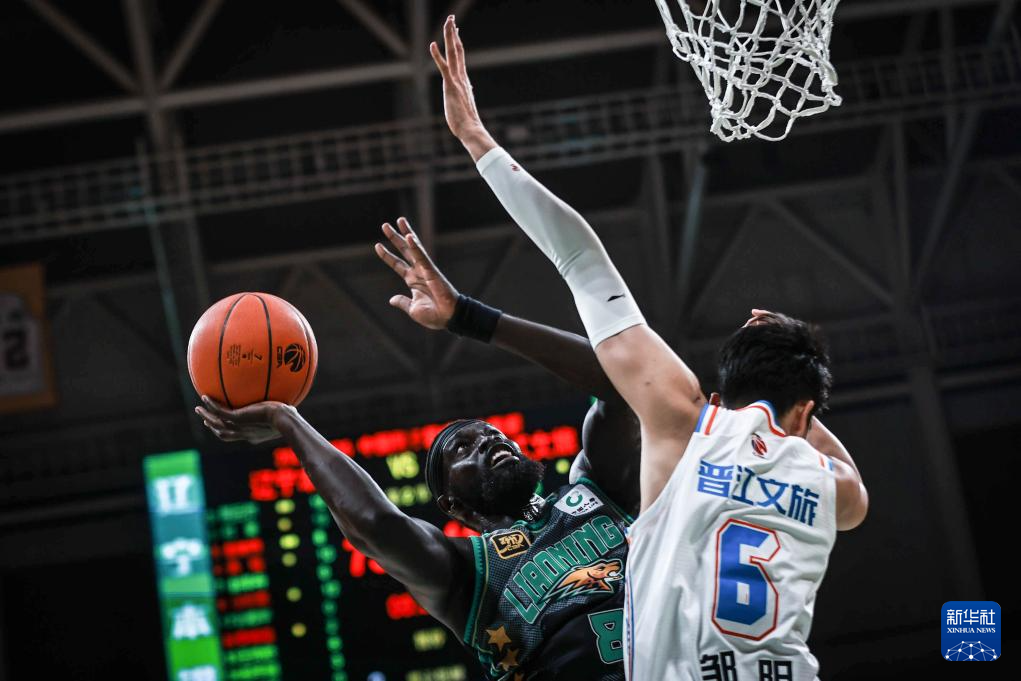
<point x="434" y="459"/>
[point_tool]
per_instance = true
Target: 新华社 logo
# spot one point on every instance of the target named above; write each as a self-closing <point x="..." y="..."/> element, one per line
<point x="970" y="631"/>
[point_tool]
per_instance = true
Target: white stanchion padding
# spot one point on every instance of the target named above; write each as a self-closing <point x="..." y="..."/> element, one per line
<point x="763" y="63"/>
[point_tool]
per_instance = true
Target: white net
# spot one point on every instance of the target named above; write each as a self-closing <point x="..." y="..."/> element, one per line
<point x="763" y="63"/>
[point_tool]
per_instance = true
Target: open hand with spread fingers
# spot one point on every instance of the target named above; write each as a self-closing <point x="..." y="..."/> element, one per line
<point x="433" y="298"/>
<point x="458" y="96"/>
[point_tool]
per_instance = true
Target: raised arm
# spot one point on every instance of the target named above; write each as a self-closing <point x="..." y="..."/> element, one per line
<point x="655" y="383"/>
<point x="436" y="304"/>
<point x="434" y="568"/>
<point x="610" y="436"/>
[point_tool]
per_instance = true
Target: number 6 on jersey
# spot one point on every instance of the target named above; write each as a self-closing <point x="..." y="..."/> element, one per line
<point x="745" y="602"/>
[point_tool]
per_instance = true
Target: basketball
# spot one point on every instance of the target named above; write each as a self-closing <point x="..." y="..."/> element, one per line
<point x="252" y="347"/>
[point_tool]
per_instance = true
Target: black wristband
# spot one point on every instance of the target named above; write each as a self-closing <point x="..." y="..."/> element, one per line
<point x="473" y="319"/>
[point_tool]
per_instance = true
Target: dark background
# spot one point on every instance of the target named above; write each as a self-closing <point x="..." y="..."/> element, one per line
<point x="291" y="130"/>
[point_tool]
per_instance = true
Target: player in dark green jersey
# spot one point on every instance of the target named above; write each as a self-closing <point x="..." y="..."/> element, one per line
<point x="548" y="591"/>
<point x="540" y="594"/>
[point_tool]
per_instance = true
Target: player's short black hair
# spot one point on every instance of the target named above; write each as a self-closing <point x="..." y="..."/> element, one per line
<point x="782" y="361"/>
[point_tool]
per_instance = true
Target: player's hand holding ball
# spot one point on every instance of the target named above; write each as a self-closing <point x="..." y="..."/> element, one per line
<point x="251" y="356"/>
<point x="255" y="424"/>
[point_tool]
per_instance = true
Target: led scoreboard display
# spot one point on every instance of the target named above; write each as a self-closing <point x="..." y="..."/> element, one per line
<point x="257" y="583"/>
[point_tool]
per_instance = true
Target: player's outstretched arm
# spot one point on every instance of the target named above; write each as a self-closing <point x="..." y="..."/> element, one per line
<point x="655" y="383"/>
<point x="434" y="568"/>
<point x="433" y="302"/>
<point x="610" y="436"/>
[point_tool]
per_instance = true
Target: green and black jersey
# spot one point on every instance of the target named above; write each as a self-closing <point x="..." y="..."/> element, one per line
<point x="549" y="594"/>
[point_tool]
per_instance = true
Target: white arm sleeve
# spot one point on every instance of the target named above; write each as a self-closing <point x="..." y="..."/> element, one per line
<point x="603" y="300"/>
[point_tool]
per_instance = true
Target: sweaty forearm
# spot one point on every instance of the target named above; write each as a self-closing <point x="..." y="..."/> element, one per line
<point x="357" y="503"/>
<point x="562" y="353"/>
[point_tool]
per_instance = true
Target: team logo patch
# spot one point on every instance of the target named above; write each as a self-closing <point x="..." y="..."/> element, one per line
<point x="579" y="501"/>
<point x="759" y="446"/>
<point x="595" y="577"/>
<point x="510" y="544"/>
<point x="970" y="631"/>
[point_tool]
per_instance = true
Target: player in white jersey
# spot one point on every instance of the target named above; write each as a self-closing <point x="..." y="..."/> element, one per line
<point x="723" y="584"/>
<point x="726" y="562"/>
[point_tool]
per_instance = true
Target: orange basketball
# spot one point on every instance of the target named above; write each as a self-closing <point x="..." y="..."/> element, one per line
<point x="252" y="347"/>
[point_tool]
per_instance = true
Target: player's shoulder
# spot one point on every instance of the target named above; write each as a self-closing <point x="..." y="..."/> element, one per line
<point x="719" y="421"/>
<point x="757" y="424"/>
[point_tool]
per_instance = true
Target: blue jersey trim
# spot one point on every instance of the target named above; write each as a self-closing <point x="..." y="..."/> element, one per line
<point x="701" y="415"/>
<point x="772" y="410"/>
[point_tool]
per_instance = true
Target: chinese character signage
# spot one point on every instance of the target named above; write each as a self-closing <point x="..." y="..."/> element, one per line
<point x="970" y="631"/>
<point x="183" y="566"/>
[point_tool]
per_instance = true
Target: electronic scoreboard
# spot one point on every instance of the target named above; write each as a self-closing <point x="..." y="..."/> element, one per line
<point x="257" y="583"/>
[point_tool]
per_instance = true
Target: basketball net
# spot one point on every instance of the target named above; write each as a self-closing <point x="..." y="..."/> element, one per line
<point x="762" y="63"/>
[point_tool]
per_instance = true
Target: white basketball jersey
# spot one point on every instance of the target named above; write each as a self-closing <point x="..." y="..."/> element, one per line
<point x="724" y="566"/>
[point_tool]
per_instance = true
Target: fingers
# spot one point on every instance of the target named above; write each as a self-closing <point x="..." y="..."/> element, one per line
<point x="398" y="241"/>
<point x="459" y="51"/>
<point x="416" y="252"/>
<point x="452" y="42"/>
<point x="225" y="431"/>
<point x="402" y="303"/>
<point x="405" y="227"/>
<point x="211" y="419"/>
<point x="214" y="408"/>
<point x="396" y="264"/>
<point x="441" y="63"/>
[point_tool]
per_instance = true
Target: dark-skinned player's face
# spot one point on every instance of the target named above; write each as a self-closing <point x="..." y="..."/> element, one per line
<point x="488" y="472"/>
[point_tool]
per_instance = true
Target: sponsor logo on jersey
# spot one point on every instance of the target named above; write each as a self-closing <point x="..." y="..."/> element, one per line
<point x="759" y="446"/>
<point x="575" y="565"/>
<point x="579" y="501"/>
<point x="510" y="544"/>
<point x="970" y="631"/>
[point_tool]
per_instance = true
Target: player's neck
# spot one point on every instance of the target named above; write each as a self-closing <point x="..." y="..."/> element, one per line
<point x="533" y="511"/>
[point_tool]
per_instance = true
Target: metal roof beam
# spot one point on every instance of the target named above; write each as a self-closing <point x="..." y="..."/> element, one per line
<point x="377" y="26"/>
<point x="386" y="71"/>
<point x="189" y="41"/>
<point x="961" y="149"/>
<point x="85" y="43"/>
<point x="816" y="237"/>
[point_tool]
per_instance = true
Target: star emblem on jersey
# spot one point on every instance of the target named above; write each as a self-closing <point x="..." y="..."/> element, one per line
<point x="510" y="660"/>
<point x="498" y="637"/>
